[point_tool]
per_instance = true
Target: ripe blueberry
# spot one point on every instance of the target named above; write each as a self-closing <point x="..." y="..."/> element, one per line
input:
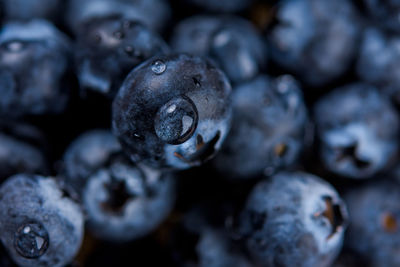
<point x="173" y="111"/>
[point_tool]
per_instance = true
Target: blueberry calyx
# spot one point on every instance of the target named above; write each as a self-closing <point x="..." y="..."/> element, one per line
<point x="350" y="152"/>
<point x="334" y="215"/>
<point x="204" y="150"/>
<point x="118" y="196"/>
<point x="31" y="240"/>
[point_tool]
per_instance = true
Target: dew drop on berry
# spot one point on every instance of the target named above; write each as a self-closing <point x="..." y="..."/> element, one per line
<point x="31" y="240"/>
<point x="176" y="121"/>
<point x="158" y="67"/>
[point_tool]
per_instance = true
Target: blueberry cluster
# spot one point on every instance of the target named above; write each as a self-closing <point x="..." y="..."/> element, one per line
<point x="209" y="133"/>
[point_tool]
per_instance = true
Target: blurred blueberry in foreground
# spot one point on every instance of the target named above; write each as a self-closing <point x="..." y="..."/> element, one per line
<point x="173" y="111"/>
<point x="108" y="48"/>
<point x="39" y="226"/>
<point x="268" y="128"/>
<point x="232" y="42"/>
<point x="34" y="59"/>
<point x="293" y="219"/>
<point x="379" y="61"/>
<point x="374" y="222"/>
<point x="358" y="131"/>
<point x="152" y="13"/>
<point x="316" y="39"/>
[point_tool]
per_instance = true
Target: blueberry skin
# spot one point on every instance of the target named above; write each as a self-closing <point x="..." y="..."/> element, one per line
<point x="293" y="219"/>
<point x="38" y="225"/>
<point x="378" y="61"/>
<point x="268" y="128"/>
<point x="125" y="202"/>
<point x="87" y="154"/>
<point x="213" y="250"/>
<point x="227" y="6"/>
<point x="26" y="90"/>
<point x="385" y="12"/>
<point x="316" y="39"/>
<point x="152" y="13"/>
<point x="201" y="241"/>
<point x="173" y="111"/>
<point x="374" y="222"/>
<point x="17" y="156"/>
<point x="232" y="42"/>
<point x="352" y="129"/>
<point x="108" y="48"/>
<point x="30" y="9"/>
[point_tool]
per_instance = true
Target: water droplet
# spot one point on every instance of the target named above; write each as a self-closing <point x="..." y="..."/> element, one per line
<point x="31" y="240"/>
<point x="176" y="121"/>
<point x="158" y="67"/>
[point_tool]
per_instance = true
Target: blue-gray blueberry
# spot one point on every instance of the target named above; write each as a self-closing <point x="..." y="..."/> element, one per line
<point x="173" y="111"/>
<point x="357" y="130"/>
<point x="232" y="42"/>
<point x="293" y="219"/>
<point x="34" y="62"/>
<point x="374" y="231"/>
<point x="39" y="225"/>
<point x="316" y="39"/>
<point x="268" y="128"/>
<point x="108" y="48"/>
<point x="152" y="13"/>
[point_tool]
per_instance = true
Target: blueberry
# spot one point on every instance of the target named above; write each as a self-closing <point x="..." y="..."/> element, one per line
<point x="374" y="222"/>
<point x="152" y="13"/>
<point x="385" y="13"/>
<point x="232" y="42"/>
<point x="38" y="225"/>
<point x="227" y="6"/>
<point x="293" y="219"/>
<point x="33" y="65"/>
<point x="353" y="130"/>
<point x="173" y="111"/>
<point x="268" y="127"/>
<point x="30" y="9"/>
<point x="316" y="39"/>
<point x="17" y="156"/>
<point x="108" y="48"/>
<point x="214" y="250"/>
<point x="198" y="240"/>
<point x="125" y="202"/>
<point x="87" y="154"/>
<point x="378" y="61"/>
